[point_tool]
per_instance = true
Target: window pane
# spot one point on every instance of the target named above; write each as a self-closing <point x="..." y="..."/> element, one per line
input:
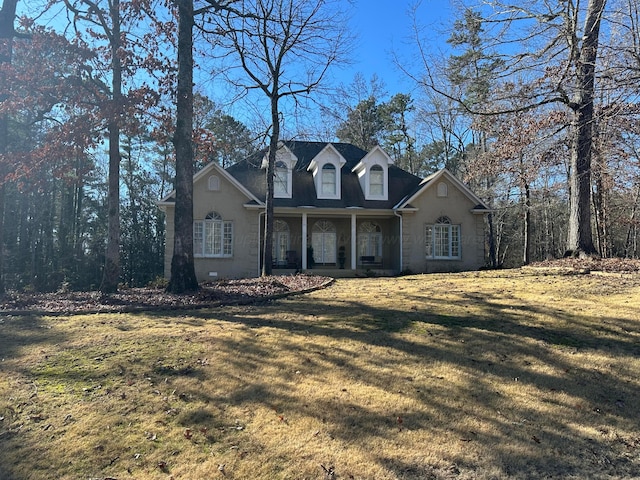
<point x="441" y="240"/>
<point x="198" y="238"/>
<point x="376" y="180"/>
<point x="228" y="238"/>
<point x="217" y="238"/>
<point x="428" y="241"/>
<point x="328" y="180"/>
<point x="363" y="244"/>
<point x="455" y="240"/>
<point x="281" y="179"/>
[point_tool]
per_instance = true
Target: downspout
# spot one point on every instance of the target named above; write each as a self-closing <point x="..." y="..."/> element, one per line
<point x="395" y="212"/>
<point x="260" y="215"/>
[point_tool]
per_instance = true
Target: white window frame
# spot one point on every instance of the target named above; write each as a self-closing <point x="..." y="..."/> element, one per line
<point x="377" y="171"/>
<point x="324" y="240"/>
<point x="329" y="178"/>
<point x="282" y="180"/>
<point x="281" y="242"/>
<point x="442" y="240"/>
<point x="213" y="183"/>
<point x="213" y="237"/>
<point x="369" y="240"/>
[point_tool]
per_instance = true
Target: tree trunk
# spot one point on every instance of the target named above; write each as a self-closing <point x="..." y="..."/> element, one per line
<point x="267" y="260"/>
<point x="183" y="276"/>
<point x="629" y="251"/>
<point x="579" y="238"/>
<point x="526" y="247"/>
<point x="111" y="274"/>
<point x="7" y="32"/>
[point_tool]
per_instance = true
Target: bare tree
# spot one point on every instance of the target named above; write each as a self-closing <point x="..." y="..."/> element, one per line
<point x="284" y="49"/>
<point x="112" y="28"/>
<point x="552" y="49"/>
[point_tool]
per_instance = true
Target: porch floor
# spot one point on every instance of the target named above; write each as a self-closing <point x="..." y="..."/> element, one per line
<point x="338" y="272"/>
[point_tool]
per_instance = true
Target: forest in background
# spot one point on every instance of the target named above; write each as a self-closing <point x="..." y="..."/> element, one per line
<point x="496" y="115"/>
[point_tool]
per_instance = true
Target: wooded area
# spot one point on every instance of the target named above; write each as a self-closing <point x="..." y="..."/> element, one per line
<point x="536" y="107"/>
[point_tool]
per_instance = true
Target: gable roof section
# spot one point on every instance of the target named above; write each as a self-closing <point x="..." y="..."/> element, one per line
<point x="405" y="203"/>
<point x="213" y="168"/>
<point x="249" y="173"/>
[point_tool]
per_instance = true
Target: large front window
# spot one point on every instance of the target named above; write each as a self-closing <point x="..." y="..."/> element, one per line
<point x="323" y="241"/>
<point x="442" y="239"/>
<point x="280" y="244"/>
<point x="213" y="237"/>
<point x="369" y="240"/>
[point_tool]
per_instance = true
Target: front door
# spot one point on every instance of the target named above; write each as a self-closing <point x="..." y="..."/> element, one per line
<point x="324" y="241"/>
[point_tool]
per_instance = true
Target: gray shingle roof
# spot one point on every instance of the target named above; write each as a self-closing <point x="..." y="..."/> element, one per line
<point x="252" y="176"/>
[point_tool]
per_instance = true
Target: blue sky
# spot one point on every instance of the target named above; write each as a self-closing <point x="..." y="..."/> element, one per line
<point x="385" y="26"/>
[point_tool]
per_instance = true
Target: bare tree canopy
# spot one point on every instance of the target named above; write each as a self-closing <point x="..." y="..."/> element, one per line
<point x="283" y="49"/>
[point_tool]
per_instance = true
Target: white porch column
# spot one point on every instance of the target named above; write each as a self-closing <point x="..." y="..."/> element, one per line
<point x="304" y="241"/>
<point x="354" y="243"/>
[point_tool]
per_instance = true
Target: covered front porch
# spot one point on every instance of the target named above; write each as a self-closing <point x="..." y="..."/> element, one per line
<point x="336" y="243"/>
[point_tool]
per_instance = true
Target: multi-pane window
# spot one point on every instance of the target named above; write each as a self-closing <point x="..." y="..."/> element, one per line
<point x="281" y="179"/>
<point x="328" y="179"/>
<point x="369" y="240"/>
<point x="323" y="241"/>
<point x="442" y="239"/>
<point x="213" y="237"/>
<point x="280" y="242"/>
<point x="376" y="181"/>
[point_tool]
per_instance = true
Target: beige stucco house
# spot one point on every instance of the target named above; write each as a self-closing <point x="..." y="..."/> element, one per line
<point x="337" y="207"/>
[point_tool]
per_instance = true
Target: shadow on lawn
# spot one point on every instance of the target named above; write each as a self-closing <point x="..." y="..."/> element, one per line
<point x="496" y="345"/>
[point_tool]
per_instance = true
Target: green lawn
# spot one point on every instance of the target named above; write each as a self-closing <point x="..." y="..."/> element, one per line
<point x="491" y="375"/>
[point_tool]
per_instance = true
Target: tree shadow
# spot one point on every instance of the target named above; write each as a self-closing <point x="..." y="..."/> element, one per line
<point x="497" y="343"/>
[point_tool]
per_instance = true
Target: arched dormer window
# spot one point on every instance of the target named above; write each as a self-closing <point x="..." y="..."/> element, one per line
<point x="213" y="236"/>
<point x="376" y="181"/>
<point x="373" y="174"/>
<point x="329" y="182"/>
<point x="326" y="168"/>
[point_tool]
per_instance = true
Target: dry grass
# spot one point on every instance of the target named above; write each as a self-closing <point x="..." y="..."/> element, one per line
<point x="482" y="375"/>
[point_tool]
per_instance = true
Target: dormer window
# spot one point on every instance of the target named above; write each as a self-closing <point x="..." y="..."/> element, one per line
<point x="376" y="181"/>
<point x="326" y="167"/>
<point x="281" y="180"/>
<point x="283" y="172"/>
<point x="373" y="174"/>
<point x="328" y="180"/>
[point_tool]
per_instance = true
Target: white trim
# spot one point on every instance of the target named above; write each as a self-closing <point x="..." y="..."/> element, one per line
<point x="377" y="156"/>
<point x="165" y="202"/>
<point x="328" y="155"/>
<point x="431" y="180"/>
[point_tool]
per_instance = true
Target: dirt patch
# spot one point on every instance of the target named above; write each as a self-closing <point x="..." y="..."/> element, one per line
<point x="223" y="292"/>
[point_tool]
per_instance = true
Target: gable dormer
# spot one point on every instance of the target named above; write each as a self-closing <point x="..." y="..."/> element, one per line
<point x="283" y="172"/>
<point x="326" y="168"/>
<point x="373" y="174"/>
